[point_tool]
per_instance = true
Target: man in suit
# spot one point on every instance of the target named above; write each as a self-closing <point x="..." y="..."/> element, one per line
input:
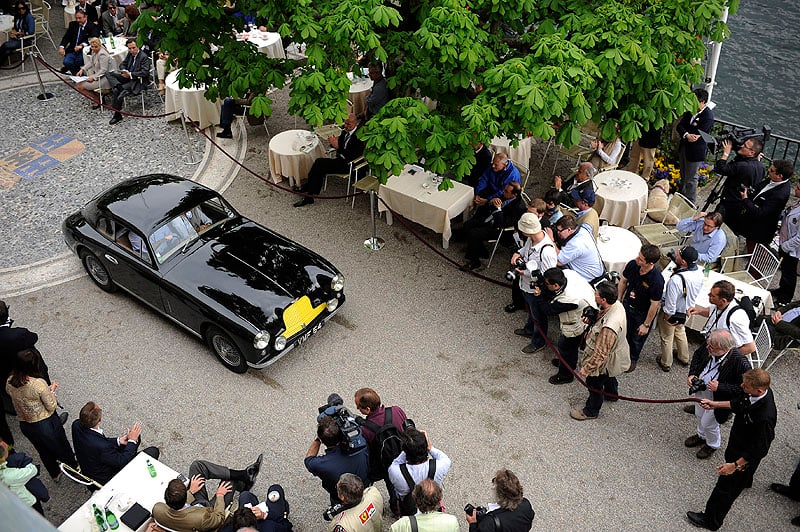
<point x="744" y="171"/>
<point x="580" y="181"/>
<point x="348" y="147"/>
<point x="202" y="514"/>
<point x="692" y="147"/>
<point x="751" y="436"/>
<point x="99" y="456"/>
<point x="133" y="72"/>
<point x="90" y="10"/>
<point x="77" y="36"/>
<point x="501" y="212"/>
<point x="111" y="20"/>
<point x="762" y="207"/>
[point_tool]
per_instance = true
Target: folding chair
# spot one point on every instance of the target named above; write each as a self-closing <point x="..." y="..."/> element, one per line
<point x="793" y="344"/>
<point x="41" y="15"/>
<point x="763" y="346"/>
<point x="613" y="164"/>
<point x="497" y="242"/>
<point x="356" y="165"/>
<point x="365" y="184"/>
<point x="760" y="269"/>
<point x="76" y="476"/>
<point x="660" y="234"/>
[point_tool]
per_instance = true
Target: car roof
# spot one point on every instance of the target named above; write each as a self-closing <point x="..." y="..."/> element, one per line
<point x="146" y="202"/>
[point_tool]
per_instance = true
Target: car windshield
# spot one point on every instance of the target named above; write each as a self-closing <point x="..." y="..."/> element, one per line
<point x="184" y="228"/>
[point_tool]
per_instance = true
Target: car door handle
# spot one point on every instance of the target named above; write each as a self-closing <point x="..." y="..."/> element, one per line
<point x="111" y="259"/>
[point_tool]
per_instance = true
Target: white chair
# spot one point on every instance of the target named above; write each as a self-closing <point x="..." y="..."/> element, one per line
<point x="41" y="15"/>
<point x="793" y="344"/>
<point x="496" y="241"/>
<point x="763" y="346"/>
<point x="760" y="269"/>
<point x="365" y="184"/>
<point x="613" y="164"/>
<point x="662" y="234"/>
<point x="524" y="172"/>
<point x="28" y="44"/>
<point x="79" y="478"/>
<point x="356" y="165"/>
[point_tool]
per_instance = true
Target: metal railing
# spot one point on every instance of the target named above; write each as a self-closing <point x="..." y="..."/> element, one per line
<point x="777" y="147"/>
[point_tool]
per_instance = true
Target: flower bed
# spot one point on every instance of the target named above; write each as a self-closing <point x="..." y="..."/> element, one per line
<point x="664" y="170"/>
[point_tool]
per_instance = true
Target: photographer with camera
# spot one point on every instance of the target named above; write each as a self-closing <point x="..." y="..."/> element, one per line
<point x="578" y="249"/>
<point x="419" y="460"/>
<point x="680" y="294"/>
<point x="692" y="148"/>
<point x="715" y="373"/>
<point x="640" y="289"/>
<point x="337" y="460"/>
<point x="512" y="513"/>
<point x="360" y="510"/>
<point x="536" y="255"/>
<point x="762" y="206"/>
<point x="566" y="294"/>
<point x="741" y="173"/>
<point x="427" y="496"/>
<point x="606" y="353"/>
<point x="722" y="314"/>
<point x="707" y="237"/>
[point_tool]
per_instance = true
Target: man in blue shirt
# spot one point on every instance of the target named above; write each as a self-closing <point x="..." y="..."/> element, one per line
<point x="495" y="178"/>
<point x="707" y="237"/>
<point x="578" y="250"/>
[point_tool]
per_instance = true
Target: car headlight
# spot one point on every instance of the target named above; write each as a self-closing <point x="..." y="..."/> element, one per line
<point x="332" y="304"/>
<point x="280" y="343"/>
<point x="261" y="340"/>
<point x="337" y="283"/>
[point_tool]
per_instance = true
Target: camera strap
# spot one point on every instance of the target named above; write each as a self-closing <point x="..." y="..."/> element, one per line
<point x="683" y="282"/>
<point x="412" y="519"/>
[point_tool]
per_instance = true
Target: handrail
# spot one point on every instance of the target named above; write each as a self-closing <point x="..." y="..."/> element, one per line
<point x="774" y="144"/>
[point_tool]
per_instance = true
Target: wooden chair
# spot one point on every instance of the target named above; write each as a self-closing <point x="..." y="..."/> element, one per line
<point x="760" y="269"/>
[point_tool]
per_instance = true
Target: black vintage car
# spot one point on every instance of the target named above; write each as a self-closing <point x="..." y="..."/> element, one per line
<point x="179" y="247"/>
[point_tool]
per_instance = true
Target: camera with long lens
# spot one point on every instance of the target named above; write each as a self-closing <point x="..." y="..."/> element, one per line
<point x="480" y="511"/>
<point x="739" y="135"/>
<point x="350" y="430"/>
<point x="697" y="385"/>
<point x="333" y="511"/>
<point x="408" y="424"/>
<point x="512" y="275"/>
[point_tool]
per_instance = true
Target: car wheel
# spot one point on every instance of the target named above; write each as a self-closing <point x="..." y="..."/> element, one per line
<point x="97" y="271"/>
<point x="226" y="350"/>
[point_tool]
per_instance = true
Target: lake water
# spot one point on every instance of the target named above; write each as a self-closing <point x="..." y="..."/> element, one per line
<point x="760" y="66"/>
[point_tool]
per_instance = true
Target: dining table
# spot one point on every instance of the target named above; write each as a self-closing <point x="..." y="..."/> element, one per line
<point x="133" y="484"/>
<point x="617" y="247"/>
<point x="697" y="322"/>
<point x="267" y="42"/>
<point x="414" y="195"/>
<point x="291" y="154"/>
<point x="520" y="154"/>
<point x="360" y="88"/>
<point x="192" y="100"/>
<point x="621" y="197"/>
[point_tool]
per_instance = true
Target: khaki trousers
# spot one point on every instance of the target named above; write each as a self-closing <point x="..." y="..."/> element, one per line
<point x="672" y="334"/>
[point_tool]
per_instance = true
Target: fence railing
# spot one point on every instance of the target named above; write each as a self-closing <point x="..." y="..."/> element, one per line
<point x="777" y="147"/>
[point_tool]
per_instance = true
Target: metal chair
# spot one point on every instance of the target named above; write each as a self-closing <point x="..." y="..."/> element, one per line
<point x="365" y="184"/>
<point x="524" y="172"/>
<point x="763" y="346"/>
<point x="793" y="344"/>
<point x="41" y="15"/>
<point x="660" y="234"/>
<point x="76" y="476"/>
<point x="497" y="242"/>
<point x="356" y="165"/>
<point x="679" y="207"/>
<point x="613" y="164"/>
<point x="760" y="269"/>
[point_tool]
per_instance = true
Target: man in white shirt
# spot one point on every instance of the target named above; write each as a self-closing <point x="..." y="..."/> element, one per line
<point x="725" y="313"/>
<point x="415" y="460"/>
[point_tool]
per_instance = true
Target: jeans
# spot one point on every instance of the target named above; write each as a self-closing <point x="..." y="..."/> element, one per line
<point x="536" y="315"/>
<point x="568" y="347"/>
<point x="636" y="342"/>
<point x="601" y="383"/>
<point x="73" y="61"/>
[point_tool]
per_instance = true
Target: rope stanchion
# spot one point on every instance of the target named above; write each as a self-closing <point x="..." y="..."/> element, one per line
<point x="43" y="96"/>
<point x="188" y="140"/>
<point x="373" y="243"/>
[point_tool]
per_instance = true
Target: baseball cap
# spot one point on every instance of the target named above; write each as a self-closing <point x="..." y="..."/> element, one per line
<point x="689" y="254"/>
<point x="585" y="194"/>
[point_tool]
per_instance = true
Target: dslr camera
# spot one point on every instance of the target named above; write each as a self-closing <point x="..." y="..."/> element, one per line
<point x="332" y="511"/>
<point x="350" y="430"/>
<point x="512" y="275"/>
<point x="591" y="314"/>
<point x="697" y="385"/>
<point x="480" y="511"/>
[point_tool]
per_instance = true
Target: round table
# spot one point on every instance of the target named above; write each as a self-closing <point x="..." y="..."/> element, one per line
<point x="291" y="154"/>
<point x="6" y="25"/>
<point x="193" y="102"/>
<point x="117" y="52"/>
<point x="267" y="43"/>
<point x="520" y="154"/>
<point x="621" y="197"/>
<point x="617" y="247"/>
<point x="359" y="90"/>
<point x="69" y="14"/>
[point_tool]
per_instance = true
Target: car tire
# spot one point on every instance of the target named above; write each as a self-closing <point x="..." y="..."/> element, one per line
<point x="226" y="350"/>
<point x="97" y="271"/>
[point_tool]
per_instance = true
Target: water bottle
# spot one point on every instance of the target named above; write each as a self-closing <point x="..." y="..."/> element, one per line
<point x="151" y="469"/>
<point x="111" y="519"/>
<point x="98" y="517"/>
<point x="707" y="269"/>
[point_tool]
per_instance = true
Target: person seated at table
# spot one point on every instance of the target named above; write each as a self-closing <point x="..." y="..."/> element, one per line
<point x="186" y="509"/>
<point x="129" y="29"/>
<point x="378" y="95"/>
<point x="488" y="219"/>
<point x="581" y="179"/>
<point x="784" y="325"/>
<point x="99" y="456"/>
<point x="495" y="178"/>
<point x="134" y="72"/>
<point x="100" y="64"/>
<point x="24" y="24"/>
<point x="348" y="147"/>
<point x="232" y="107"/>
<point x="112" y="20"/>
<point x="271" y="515"/>
<point x="483" y="160"/>
<point x="578" y="249"/>
<point x="707" y="237"/>
<point x="605" y="152"/>
<point x="584" y="201"/>
<point x="75" y="39"/>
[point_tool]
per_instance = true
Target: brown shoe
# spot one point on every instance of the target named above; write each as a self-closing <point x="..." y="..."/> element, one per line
<point x="705" y="452"/>
<point x="661" y="365"/>
<point x="580" y="415"/>
<point x="689" y="409"/>
<point x="694" y="440"/>
<point x="161" y="88"/>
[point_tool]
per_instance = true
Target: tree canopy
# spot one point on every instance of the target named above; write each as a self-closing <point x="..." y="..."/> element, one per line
<point x="540" y="67"/>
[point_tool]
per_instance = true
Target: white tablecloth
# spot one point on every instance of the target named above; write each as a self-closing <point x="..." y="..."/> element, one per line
<point x="520" y="154"/>
<point x="267" y="43"/>
<point x="617" y="247"/>
<point x="623" y="196"/>
<point x="118" y="52"/>
<point x="6" y="25"/>
<point x="417" y="198"/>
<point x="286" y="159"/>
<point x="193" y="102"/>
<point x="359" y="90"/>
<point x="134" y="483"/>
<point x="696" y="322"/>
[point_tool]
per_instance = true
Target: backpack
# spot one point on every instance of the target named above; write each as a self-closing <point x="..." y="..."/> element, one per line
<point x="406" y="503"/>
<point x="386" y="446"/>
<point x="746" y="304"/>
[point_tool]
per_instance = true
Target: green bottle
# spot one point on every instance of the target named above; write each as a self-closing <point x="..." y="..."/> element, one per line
<point x="98" y="516"/>
<point x="111" y="519"/>
<point x="707" y="269"/>
<point x="151" y="469"/>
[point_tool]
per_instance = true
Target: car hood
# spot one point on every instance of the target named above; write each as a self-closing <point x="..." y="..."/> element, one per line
<point x="252" y="271"/>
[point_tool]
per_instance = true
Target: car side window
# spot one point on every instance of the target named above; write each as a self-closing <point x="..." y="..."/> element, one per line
<point x="131" y="242"/>
<point x="105" y="226"/>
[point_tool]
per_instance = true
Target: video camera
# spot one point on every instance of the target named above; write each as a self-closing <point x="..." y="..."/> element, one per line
<point x="739" y="135"/>
<point x="350" y="430"/>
